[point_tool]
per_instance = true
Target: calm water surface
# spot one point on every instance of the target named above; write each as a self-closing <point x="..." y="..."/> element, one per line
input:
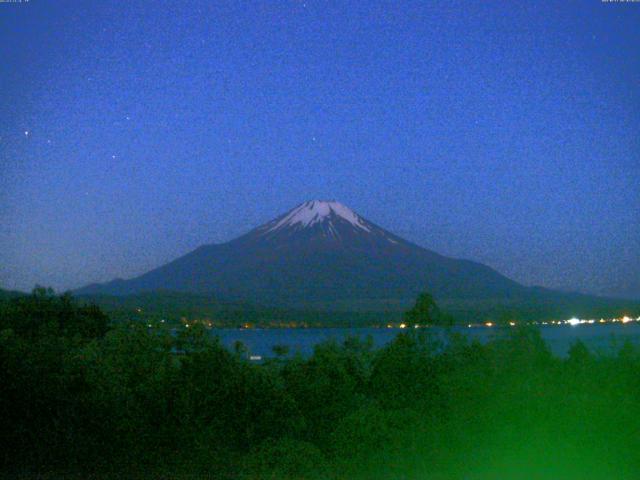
<point x="599" y="338"/>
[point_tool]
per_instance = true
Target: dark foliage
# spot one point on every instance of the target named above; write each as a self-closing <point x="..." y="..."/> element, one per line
<point x="80" y="399"/>
<point x="43" y="313"/>
<point x="426" y="312"/>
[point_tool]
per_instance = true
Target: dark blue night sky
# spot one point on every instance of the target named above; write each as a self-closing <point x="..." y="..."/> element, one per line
<point x="504" y="132"/>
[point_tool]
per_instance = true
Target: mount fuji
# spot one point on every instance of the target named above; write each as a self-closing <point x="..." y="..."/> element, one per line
<point x="323" y="255"/>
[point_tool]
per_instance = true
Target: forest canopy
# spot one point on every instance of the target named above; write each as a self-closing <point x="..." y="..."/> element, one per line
<point x="83" y="396"/>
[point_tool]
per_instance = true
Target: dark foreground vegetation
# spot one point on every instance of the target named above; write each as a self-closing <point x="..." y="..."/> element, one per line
<point x="81" y="398"/>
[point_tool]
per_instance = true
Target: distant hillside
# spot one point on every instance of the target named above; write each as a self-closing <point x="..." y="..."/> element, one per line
<point x="173" y="307"/>
<point x="540" y="304"/>
<point x="176" y="307"/>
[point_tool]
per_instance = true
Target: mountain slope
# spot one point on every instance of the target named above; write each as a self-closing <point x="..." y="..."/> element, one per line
<point x="324" y="256"/>
<point x="319" y="253"/>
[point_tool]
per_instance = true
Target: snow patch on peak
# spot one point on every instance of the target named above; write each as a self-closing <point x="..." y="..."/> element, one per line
<point x="316" y="211"/>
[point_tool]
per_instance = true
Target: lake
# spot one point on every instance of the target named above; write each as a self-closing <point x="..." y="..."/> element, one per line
<point x="260" y="342"/>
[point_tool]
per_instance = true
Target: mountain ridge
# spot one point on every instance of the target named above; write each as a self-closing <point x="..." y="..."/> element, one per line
<point x="322" y="255"/>
<point x="319" y="250"/>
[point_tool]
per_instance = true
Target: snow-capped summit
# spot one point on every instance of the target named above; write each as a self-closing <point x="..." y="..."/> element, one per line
<point x="314" y="212"/>
<point x="323" y="221"/>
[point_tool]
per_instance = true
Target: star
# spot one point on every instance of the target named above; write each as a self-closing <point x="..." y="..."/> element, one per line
<point x="27" y="133"/>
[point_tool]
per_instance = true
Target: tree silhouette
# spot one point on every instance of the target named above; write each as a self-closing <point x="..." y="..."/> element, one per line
<point x="426" y="312"/>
